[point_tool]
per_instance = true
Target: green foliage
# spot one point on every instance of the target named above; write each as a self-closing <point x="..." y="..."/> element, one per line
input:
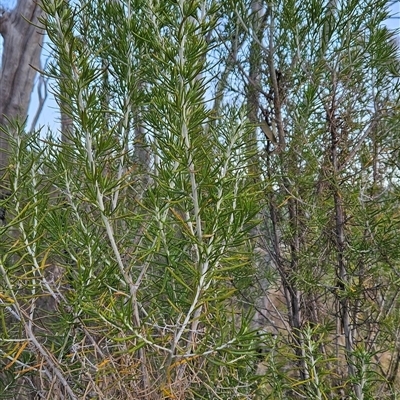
<point x="161" y="249"/>
<point x="123" y="269"/>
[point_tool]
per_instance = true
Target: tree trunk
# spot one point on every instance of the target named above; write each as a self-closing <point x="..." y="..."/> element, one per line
<point x="21" y="51"/>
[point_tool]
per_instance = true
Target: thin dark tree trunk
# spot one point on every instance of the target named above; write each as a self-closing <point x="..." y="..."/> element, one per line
<point x="340" y="240"/>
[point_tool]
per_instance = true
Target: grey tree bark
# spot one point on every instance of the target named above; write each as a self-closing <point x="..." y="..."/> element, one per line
<point x="22" y="45"/>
